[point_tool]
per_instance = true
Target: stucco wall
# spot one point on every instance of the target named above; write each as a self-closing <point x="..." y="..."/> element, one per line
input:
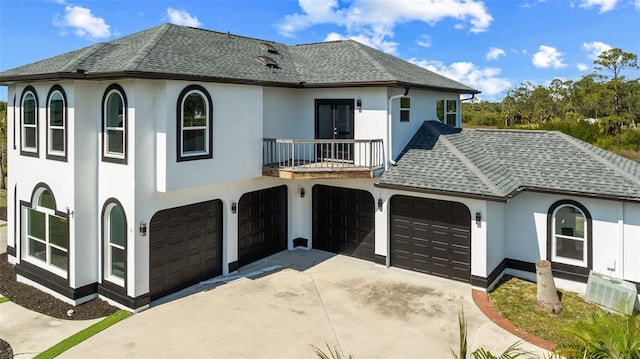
<point x="615" y="232"/>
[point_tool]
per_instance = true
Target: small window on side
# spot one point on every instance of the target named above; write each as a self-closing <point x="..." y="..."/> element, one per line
<point x="405" y="109"/>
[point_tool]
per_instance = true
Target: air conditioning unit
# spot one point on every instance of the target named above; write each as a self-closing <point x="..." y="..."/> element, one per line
<point x="611" y="293"/>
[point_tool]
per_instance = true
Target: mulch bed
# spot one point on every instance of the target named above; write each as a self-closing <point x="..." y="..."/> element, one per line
<point x="41" y="302"/>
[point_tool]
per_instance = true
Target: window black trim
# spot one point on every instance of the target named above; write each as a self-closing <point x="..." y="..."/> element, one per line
<point x="111" y="287"/>
<point x="589" y="238"/>
<point x="64" y="215"/>
<point x="14" y="121"/>
<point x="50" y="156"/>
<point x="106" y="158"/>
<point x="185" y="91"/>
<point x="35" y="95"/>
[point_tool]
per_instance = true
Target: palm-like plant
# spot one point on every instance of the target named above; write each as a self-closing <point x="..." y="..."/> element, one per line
<point x="334" y="353"/>
<point x="605" y="335"/>
<point x="514" y="351"/>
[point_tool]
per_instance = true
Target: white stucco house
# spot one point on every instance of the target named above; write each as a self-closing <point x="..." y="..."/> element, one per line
<point x="170" y="156"/>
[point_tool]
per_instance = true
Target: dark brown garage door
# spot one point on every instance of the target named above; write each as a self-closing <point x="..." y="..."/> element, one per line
<point x="343" y="221"/>
<point x="185" y="247"/>
<point x="262" y="224"/>
<point x="431" y="236"/>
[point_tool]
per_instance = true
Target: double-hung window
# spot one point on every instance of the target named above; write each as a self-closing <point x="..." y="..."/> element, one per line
<point x="447" y="112"/>
<point x="47" y="234"/>
<point x="194" y="124"/>
<point x="29" y="123"/>
<point x="114" y="120"/>
<point x="56" y="124"/>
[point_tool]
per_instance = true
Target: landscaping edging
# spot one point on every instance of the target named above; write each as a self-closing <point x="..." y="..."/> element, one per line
<point x="482" y="302"/>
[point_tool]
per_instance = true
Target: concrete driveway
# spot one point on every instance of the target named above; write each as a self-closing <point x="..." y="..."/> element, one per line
<point x="316" y="298"/>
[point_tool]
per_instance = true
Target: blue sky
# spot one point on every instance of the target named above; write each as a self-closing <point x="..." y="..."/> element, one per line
<point x="492" y="45"/>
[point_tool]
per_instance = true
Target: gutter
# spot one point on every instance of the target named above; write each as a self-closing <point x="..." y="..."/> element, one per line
<point x="390" y="130"/>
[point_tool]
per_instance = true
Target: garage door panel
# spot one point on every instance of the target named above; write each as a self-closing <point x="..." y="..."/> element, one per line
<point x="184" y="247"/>
<point x="343" y="221"/>
<point x="262" y="224"/>
<point x="436" y="235"/>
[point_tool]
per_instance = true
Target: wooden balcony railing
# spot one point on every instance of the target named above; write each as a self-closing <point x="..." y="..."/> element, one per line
<point x="290" y="158"/>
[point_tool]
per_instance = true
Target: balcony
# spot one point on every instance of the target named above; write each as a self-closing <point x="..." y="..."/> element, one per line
<point x="307" y="159"/>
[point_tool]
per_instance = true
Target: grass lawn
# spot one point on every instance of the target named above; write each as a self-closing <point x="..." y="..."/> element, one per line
<point x="3" y="198"/>
<point x="515" y="299"/>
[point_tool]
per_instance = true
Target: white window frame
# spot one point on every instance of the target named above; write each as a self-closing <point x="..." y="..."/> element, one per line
<point x="46" y="264"/>
<point x="106" y="129"/>
<point x="195" y="128"/>
<point x="565" y="260"/>
<point x="24" y="126"/>
<point x="51" y="128"/>
<point x="108" y="245"/>
<point x="447" y="111"/>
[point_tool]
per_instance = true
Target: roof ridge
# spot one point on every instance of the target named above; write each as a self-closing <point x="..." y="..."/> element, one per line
<point x="470" y="165"/>
<point x="144" y="51"/>
<point x="83" y="54"/>
<point x="600" y="159"/>
<point x="377" y="64"/>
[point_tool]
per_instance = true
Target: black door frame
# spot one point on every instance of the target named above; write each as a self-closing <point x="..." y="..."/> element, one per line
<point x="341" y="151"/>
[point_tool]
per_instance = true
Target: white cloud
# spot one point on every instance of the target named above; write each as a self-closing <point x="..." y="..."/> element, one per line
<point x="373" y="21"/>
<point x="605" y="5"/>
<point x="636" y="4"/>
<point x="494" y="53"/>
<point x="486" y="80"/>
<point x="181" y="17"/>
<point x="425" y="40"/>
<point x="594" y="49"/>
<point x="583" y="67"/>
<point x="548" y="56"/>
<point x="83" y="22"/>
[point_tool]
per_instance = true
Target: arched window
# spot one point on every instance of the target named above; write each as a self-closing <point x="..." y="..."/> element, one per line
<point x="57" y="124"/>
<point x="115" y="243"/>
<point x="114" y="121"/>
<point x="194" y="129"/>
<point x="46" y="233"/>
<point x="29" y="123"/>
<point x="570" y="237"/>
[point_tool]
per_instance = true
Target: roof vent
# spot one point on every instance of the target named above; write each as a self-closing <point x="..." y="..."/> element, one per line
<point x="269" y="62"/>
<point x="270" y="48"/>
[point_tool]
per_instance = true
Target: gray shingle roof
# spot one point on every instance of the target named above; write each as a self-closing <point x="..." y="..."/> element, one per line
<point x="499" y="163"/>
<point x="172" y="51"/>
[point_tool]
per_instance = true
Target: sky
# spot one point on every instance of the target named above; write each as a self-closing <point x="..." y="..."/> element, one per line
<point x="492" y="46"/>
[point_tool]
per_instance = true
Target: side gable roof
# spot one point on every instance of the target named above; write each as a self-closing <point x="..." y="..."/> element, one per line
<point x="497" y="164"/>
<point x="177" y="52"/>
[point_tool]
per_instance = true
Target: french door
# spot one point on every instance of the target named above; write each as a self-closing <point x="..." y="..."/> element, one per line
<point x="334" y="121"/>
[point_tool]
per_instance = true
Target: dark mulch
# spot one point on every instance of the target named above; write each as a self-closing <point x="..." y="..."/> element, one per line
<point x="3" y="213"/>
<point x="41" y="302"/>
<point x="5" y="350"/>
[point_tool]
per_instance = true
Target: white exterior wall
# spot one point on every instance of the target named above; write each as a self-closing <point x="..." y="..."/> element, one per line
<point x="616" y="234"/>
<point x="494" y="219"/>
<point x="631" y="236"/>
<point x="237" y="136"/>
<point x="423" y="108"/>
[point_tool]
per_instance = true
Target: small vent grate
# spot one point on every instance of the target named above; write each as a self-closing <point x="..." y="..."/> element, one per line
<point x="612" y="293"/>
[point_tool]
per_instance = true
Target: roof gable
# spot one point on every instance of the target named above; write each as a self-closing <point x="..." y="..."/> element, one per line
<point x="500" y="163"/>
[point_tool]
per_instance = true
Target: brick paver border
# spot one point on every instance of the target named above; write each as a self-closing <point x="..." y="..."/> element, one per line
<point x="482" y="302"/>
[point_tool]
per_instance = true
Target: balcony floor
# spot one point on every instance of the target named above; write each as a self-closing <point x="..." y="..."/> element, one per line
<point x="324" y="169"/>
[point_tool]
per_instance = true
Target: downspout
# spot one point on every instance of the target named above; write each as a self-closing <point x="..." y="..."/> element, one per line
<point x="390" y="130"/>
